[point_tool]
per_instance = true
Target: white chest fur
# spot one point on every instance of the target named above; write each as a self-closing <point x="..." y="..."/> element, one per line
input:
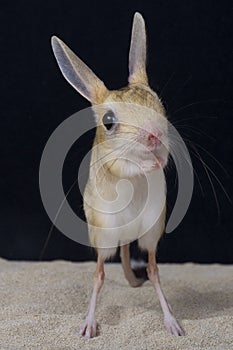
<point x="125" y="210"/>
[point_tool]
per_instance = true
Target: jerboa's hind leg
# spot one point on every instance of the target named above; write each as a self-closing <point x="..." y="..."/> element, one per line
<point x="149" y="242"/>
<point x="129" y="274"/>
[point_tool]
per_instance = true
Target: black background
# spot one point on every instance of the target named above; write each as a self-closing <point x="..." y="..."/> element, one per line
<point x="189" y="63"/>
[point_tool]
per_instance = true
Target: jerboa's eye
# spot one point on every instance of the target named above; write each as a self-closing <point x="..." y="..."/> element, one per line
<point x="109" y="120"/>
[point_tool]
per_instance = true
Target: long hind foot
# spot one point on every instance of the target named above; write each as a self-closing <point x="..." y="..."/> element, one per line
<point x="172" y="324"/>
<point x="88" y="328"/>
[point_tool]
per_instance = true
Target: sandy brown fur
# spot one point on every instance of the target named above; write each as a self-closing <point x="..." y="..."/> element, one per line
<point x="138" y="128"/>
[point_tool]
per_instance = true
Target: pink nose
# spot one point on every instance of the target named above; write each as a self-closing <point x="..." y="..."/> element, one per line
<point x="154" y="138"/>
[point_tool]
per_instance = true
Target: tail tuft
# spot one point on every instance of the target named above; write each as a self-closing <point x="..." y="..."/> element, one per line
<point x="139" y="268"/>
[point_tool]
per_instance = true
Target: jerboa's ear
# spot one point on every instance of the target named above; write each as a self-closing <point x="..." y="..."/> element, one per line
<point x="137" y="53"/>
<point x="77" y="73"/>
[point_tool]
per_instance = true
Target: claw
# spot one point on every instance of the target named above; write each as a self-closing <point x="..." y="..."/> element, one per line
<point x="173" y="326"/>
<point x="88" y="329"/>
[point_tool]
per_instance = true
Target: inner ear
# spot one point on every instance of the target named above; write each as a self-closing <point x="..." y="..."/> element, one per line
<point x="77" y="73"/>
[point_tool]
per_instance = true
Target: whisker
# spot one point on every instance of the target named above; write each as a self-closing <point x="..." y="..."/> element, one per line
<point x="215" y="159"/>
<point x="53" y="224"/>
<point x="167" y="83"/>
<point x="210" y="180"/>
<point x="194" y="144"/>
<point x="107" y="154"/>
<point x="181" y="88"/>
<point x="195" y="172"/>
<point x="194" y="104"/>
<point x="174" y="121"/>
<point x="195" y="130"/>
<point x="219" y="182"/>
<point x="124" y="150"/>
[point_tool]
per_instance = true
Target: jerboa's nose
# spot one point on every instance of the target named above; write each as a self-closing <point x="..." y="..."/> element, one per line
<point x="154" y="138"/>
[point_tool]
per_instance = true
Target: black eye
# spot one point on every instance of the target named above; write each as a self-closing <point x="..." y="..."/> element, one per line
<point x="109" y="120"/>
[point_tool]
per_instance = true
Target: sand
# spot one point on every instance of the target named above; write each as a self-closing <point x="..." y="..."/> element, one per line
<point x="44" y="304"/>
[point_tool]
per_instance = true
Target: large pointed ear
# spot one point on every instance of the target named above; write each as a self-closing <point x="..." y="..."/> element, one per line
<point x="78" y="74"/>
<point x="137" y="53"/>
